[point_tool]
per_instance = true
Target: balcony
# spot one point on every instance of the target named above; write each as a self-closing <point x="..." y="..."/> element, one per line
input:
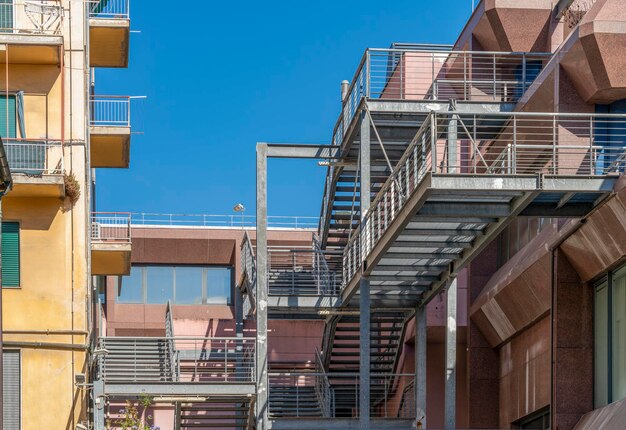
<point x="37" y="167"/>
<point x="109" y="130"/>
<point x="109" y="31"/>
<point x="30" y="32"/>
<point x="110" y="243"/>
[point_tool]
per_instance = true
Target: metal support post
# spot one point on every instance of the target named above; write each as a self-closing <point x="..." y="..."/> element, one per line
<point x="420" y="365"/>
<point x="450" y="389"/>
<point x="99" y="405"/>
<point x="453" y="156"/>
<point x="364" y="286"/>
<point x="261" y="291"/>
<point x="240" y="371"/>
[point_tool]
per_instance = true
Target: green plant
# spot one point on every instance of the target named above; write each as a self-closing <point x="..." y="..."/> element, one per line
<point x="131" y="418"/>
<point x="72" y="187"/>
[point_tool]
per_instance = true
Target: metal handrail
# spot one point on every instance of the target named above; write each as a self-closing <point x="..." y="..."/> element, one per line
<point x="169" y="333"/>
<point x="221" y="220"/>
<point x="110" y="9"/>
<point x="323" y="389"/>
<point x="35" y="156"/>
<point x="324" y="277"/>
<point x="533" y="144"/>
<point x="110" y="227"/>
<point x="110" y="111"/>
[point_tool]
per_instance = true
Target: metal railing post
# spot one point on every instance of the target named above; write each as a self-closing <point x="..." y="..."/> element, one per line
<point x="433" y="141"/>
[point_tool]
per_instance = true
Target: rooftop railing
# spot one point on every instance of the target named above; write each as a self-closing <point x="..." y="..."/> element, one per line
<point x="35" y="157"/>
<point x="497" y="144"/>
<point x="110" y="9"/>
<point x="110" y="111"/>
<point x="110" y="227"/>
<point x="31" y="17"/>
<point x="229" y="221"/>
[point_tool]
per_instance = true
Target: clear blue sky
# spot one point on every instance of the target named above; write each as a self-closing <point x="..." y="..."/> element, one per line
<point x="220" y="76"/>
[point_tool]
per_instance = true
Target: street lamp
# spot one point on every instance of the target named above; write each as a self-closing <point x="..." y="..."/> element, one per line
<point x="239" y="207"/>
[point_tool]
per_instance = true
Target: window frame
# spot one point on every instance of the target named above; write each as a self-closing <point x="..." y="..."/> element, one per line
<point x="205" y="287"/>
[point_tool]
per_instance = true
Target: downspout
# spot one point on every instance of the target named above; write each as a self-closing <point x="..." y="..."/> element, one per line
<point x="6" y="183"/>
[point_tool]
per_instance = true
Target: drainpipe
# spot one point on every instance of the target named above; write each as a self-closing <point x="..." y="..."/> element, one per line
<point x="5" y="185"/>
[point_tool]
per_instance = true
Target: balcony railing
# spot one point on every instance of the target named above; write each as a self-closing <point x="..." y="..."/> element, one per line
<point x="34" y="157"/>
<point x="110" y="111"/>
<point x="498" y="144"/>
<point x="110" y="9"/>
<point x="110" y="227"/>
<point x="31" y="17"/>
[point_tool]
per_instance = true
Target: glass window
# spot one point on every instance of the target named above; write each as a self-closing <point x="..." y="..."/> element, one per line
<point x="619" y="335"/>
<point x="218" y="285"/>
<point x="130" y="288"/>
<point x="189" y="285"/>
<point x="601" y="345"/>
<point x="159" y="284"/>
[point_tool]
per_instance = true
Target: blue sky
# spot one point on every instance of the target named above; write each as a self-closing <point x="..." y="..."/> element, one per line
<point x="220" y="76"/>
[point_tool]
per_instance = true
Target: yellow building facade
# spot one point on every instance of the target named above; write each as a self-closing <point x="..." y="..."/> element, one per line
<point x="49" y="116"/>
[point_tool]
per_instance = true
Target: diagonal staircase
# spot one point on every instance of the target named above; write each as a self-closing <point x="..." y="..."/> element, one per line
<point x="136" y="360"/>
<point x="217" y="413"/>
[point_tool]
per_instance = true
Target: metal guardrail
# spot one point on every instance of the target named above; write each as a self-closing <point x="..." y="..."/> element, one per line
<point x="34" y="156"/>
<point x="216" y="220"/>
<point x="197" y="359"/>
<point x="386" y="392"/>
<point x="31" y="17"/>
<point x="171" y="345"/>
<point x="110" y="227"/>
<point x="300" y="271"/>
<point x="110" y="111"/>
<point x="498" y="144"/>
<point x="110" y="9"/>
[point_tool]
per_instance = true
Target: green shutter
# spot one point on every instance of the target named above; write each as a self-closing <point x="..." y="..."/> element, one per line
<point x="10" y="105"/>
<point x="10" y="254"/>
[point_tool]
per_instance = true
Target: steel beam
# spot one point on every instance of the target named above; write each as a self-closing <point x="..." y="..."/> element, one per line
<point x="262" y="387"/>
<point x="339" y="424"/>
<point x="450" y="388"/>
<point x="364" y="285"/>
<point x="301" y="151"/>
<point x="190" y="389"/>
<point x="420" y="365"/>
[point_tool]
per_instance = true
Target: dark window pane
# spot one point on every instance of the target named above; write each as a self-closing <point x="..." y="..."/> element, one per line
<point x="218" y="285"/>
<point x="188" y="285"/>
<point x="160" y="284"/>
<point x="130" y="290"/>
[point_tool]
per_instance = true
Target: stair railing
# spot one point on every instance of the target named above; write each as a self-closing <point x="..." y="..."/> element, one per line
<point x="172" y="353"/>
<point x="323" y="389"/>
<point x="324" y="278"/>
<point x="248" y="265"/>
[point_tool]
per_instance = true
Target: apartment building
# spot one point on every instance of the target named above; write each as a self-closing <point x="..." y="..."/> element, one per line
<point x="55" y="130"/>
<point x="466" y="271"/>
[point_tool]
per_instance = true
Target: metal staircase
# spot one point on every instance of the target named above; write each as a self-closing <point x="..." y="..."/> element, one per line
<point x="342" y="355"/>
<point x="293" y="400"/>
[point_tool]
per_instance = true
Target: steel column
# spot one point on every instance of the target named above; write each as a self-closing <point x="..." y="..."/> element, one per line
<point x="364" y="286"/>
<point x="450" y="388"/>
<point x="420" y="365"/>
<point x="261" y="291"/>
<point x="453" y="155"/>
<point x="99" y="404"/>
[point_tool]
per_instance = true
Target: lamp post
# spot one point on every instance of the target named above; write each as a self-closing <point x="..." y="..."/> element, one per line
<point x="239" y="207"/>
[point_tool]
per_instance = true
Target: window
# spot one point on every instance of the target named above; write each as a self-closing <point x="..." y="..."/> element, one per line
<point x="11" y="390"/>
<point x="610" y="338"/>
<point x="183" y="285"/>
<point x="8" y="110"/>
<point x="10" y="255"/>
